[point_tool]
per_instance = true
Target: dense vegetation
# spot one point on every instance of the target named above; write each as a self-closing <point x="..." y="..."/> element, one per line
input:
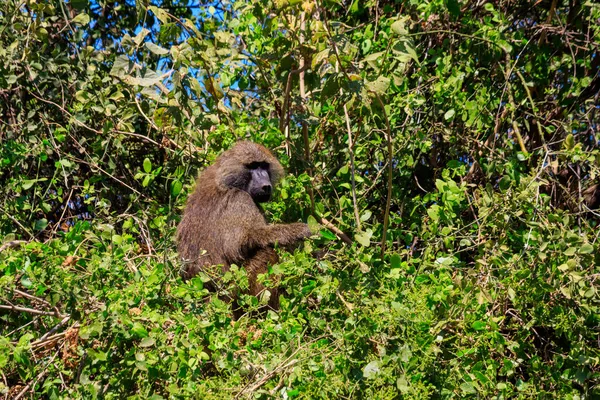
<point x="448" y="150"/>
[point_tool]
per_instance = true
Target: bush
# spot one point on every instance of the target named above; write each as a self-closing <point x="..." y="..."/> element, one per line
<point x="455" y="144"/>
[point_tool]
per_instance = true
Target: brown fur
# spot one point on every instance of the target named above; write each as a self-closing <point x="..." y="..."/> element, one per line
<point x="222" y="219"/>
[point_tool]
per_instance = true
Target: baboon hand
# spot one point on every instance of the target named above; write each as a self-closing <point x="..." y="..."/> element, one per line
<point x="283" y="234"/>
<point x="292" y="234"/>
<point x="303" y="231"/>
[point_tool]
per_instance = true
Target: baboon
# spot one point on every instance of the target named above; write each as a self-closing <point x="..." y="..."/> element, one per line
<point x="223" y="224"/>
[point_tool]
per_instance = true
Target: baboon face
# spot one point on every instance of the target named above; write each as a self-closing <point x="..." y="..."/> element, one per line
<point x="249" y="167"/>
<point x="259" y="186"/>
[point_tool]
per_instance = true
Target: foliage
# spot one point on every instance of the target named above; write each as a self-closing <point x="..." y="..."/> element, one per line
<point x="456" y="143"/>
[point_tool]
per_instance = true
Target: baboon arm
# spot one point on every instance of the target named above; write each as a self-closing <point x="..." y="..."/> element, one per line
<point x="283" y="234"/>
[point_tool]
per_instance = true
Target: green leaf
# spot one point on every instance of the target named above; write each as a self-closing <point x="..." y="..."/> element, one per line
<point x="122" y="66"/>
<point x="468" y="387"/>
<point x="138" y="330"/>
<point x="564" y="267"/>
<point x="402" y="384"/>
<point x="569" y="142"/>
<point x="366" y="215"/>
<point x="28" y="183"/>
<point x="161" y="14"/>
<point x="149" y="78"/>
<point x="395" y="261"/>
<point x="586" y="249"/>
<point x="372" y="369"/>
<point x="505" y="182"/>
<point x="374" y="56"/>
<point x="65" y="163"/>
<point x="147" y="342"/>
<point x="327" y="234"/>
<point x="404" y="51"/>
<point x="312" y="223"/>
<point x="570" y="251"/>
<point x="81" y="19"/>
<point x="398" y="27"/>
<point x="176" y="187"/>
<point x="139" y="38"/>
<point x="379" y="86"/>
<point x="453" y="7"/>
<point x="478" y="325"/>
<point x="156" y="49"/>
<point x="364" y="238"/>
<point x="40" y="224"/>
<point x="449" y="114"/>
<point x="147" y="165"/>
<point x="98" y="355"/>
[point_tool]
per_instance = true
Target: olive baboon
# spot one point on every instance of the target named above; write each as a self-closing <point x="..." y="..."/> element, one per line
<point x="222" y="223"/>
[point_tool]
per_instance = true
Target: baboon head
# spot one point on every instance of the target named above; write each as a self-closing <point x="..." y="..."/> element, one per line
<point x="249" y="167"/>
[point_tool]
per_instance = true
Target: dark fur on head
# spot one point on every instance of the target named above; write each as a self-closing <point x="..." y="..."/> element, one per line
<point x="224" y="220"/>
<point x="231" y="165"/>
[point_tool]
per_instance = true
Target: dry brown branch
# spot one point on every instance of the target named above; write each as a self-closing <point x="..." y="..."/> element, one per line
<point x="47" y="339"/>
<point x="349" y="306"/>
<point x="32" y="297"/>
<point x="31" y="311"/>
<point x="12" y="243"/>
<point x="56" y="327"/>
<point x="511" y="100"/>
<point x="336" y="230"/>
<point x="284" y="119"/>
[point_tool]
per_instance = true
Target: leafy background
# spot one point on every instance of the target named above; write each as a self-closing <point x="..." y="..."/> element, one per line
<point x="448" y="150"/>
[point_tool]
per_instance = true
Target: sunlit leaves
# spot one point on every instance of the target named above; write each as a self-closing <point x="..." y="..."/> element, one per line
<point x="147" y="165"/>
<point x="176" y="187"/>
<point x="156" y="49"/>
<point x="491" y="253"/>
<point x="379" y="86"/>
<point x="364" y="238"/>
<point x="161" y="14"/>
<point x="81" y="19"/>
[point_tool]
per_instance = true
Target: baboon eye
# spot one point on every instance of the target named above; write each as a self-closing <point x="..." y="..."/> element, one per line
<point x="257" y="164"/>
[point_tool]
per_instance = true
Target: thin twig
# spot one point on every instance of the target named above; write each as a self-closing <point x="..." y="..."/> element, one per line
<point x="57" y="327"/>
<point x="13" y="219"/>
<point x="37" y="378"/>
<point x="65" y="208"/>
<point x="81" y="124"/>
<point x="511" y="100"/>
<point x="288" y="362"/>
<point x="31" y="310"/>
<point x="338" y="67"/>
<point x="284" y="119"/>
<point x="388" y="201"/>
<point x="305" y="137"/>
<point x="349" y="306"/>
<point x="12" y="243"/>
<point x="336" y="230"/>
<point x="31" y="297"/>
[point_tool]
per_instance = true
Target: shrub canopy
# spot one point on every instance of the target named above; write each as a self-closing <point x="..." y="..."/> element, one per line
<point x="448" y="152"/>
